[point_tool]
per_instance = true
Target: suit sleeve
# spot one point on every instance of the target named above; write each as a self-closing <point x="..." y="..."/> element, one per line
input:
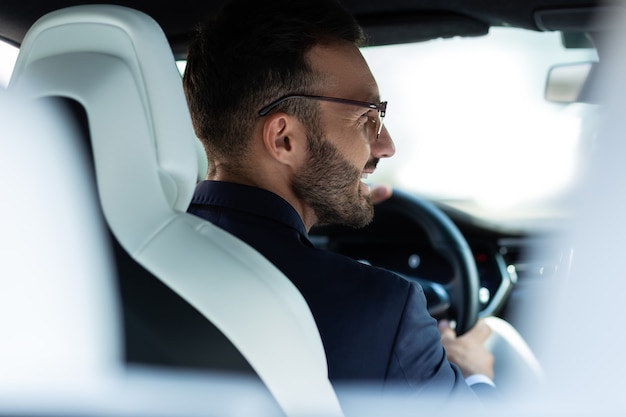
<point x="418" y="361"/>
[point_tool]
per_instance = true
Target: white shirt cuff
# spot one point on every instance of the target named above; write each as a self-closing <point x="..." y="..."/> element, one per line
<point x="479" y="379"/>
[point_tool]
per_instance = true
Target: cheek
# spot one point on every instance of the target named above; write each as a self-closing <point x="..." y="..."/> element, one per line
<point x="362" y="155"/>
<point x="351" y="145"/>
<point x="357" y="151"/>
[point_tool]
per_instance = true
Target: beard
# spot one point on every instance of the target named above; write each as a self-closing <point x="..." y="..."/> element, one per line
<point x="330" y="185"/>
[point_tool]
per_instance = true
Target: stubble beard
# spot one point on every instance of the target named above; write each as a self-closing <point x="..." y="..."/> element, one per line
<point x="330" y="185"/>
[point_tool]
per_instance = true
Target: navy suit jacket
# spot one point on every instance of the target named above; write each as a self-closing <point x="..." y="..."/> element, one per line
<point x="374" y="324"/>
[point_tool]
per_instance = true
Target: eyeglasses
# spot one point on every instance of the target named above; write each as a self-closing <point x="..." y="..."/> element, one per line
<point x="377" y="121"/>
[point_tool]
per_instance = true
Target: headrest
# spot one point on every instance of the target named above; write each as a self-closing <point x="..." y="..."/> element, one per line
<point x="117" y="54"/>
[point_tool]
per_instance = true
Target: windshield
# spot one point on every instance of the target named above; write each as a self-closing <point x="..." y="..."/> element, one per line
<point x="472" y="127"/>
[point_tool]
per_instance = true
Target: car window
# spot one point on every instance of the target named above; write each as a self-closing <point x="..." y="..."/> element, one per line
<point x="472" y="127"/>
<point x="8" y="55"/>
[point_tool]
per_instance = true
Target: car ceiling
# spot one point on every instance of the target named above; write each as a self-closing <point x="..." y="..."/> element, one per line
<point x="387" y="21"/>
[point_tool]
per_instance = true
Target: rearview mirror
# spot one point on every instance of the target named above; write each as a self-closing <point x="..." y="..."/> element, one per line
<point x="571" y="83"/>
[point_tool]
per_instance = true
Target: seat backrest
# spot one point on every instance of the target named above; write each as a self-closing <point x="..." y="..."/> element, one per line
<point x="56" y="288"/>
<point x="116" y="62"/>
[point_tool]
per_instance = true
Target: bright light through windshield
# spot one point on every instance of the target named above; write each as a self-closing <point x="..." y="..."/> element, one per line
<point x="470" y="122"/>
<point x="469" y="119"/>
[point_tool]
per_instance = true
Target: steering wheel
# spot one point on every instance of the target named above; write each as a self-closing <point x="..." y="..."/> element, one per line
<point x="407" y="214"/>
<point x="458" y="298"/>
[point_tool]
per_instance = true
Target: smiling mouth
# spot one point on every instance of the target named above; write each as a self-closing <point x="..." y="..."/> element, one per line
<point x="364" y="186"/>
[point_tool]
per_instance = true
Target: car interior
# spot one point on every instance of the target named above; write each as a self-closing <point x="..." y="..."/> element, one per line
<point x="177" y="294"/>
<point x="109" y="44"/>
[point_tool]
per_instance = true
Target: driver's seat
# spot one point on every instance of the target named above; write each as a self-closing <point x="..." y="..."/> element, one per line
<point x="116" y="63"/>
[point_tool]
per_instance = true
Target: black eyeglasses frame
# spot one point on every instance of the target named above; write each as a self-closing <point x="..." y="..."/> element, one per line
<point x="380" y="107"/>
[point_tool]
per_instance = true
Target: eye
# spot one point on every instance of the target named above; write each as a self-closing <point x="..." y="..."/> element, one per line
<point x="371" y="122"/>
<point x="367" y="120"/>
<point x="368" y="124"/>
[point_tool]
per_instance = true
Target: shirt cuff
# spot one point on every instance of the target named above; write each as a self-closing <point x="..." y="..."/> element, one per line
<point x="479" y="379"/>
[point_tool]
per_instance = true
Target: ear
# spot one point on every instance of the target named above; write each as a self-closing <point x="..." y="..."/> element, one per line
<point x="284" y="138"/>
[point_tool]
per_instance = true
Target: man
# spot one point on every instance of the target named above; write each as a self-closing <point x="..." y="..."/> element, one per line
<point x="291" y="120"/>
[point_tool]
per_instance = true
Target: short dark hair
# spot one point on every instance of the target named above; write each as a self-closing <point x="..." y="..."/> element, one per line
<point x="251" y="53"/>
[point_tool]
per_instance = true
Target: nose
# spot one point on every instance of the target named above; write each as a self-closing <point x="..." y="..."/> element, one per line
<point x="384" y="146"/>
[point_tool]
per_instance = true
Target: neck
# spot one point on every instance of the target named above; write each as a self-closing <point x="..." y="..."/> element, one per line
<point x="266" y="181"/>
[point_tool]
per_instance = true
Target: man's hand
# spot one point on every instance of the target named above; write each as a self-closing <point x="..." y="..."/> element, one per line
<point x="468" y="351"/>
<point x="379" y="193"/>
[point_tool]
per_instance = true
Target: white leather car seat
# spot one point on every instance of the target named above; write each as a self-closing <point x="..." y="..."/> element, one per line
<point x="117" y="64"/>
<point x="61" y="347"/>
<point x="55" y="306"/>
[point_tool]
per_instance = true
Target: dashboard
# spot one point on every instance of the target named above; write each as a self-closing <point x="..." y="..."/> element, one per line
<point x="401" y="244"/>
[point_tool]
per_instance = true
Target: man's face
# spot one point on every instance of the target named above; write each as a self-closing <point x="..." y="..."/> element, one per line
<point x="330" y="184"/>
<point x="347" y="149"/>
